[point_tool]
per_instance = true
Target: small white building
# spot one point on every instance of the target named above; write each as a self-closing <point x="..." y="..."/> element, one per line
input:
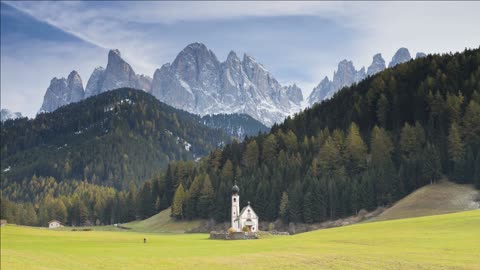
<point x="246" y="218"/>
<point x="52" y="224"/>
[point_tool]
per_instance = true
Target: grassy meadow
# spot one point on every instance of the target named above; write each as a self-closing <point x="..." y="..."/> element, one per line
<point x="450" y="241"/>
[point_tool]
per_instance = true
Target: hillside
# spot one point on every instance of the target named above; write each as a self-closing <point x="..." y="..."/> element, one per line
<point x="370" y="145"/>
<point x="162" y="223"/>
<point x="235" y="125"/>
<point x="436" y="242"/>
<point x="110" y="139"/>
<point x="439" y="198"/>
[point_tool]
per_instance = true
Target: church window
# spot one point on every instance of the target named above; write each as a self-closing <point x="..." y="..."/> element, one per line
<point x="234" y="199"/>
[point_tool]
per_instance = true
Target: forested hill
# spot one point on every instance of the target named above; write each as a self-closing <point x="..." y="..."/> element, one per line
<point x="110" y="139"/>
<point x="370" y="145"/>
<point x="236" y="125"/>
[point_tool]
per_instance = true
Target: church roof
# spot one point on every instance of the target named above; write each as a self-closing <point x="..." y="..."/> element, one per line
<point x="245" y="208"/>
<point x="235" y="189"/>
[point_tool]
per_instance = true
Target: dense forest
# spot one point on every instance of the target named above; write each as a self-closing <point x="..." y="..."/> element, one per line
<point x="235" y="125"/>
<point x="368" y="146"/>
<point x="110" y="139"/>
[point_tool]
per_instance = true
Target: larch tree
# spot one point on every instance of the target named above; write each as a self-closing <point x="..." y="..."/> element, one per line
<point x="178" y="202"/>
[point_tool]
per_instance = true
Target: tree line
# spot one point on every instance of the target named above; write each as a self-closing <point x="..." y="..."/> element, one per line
<point x="368" y="146"/>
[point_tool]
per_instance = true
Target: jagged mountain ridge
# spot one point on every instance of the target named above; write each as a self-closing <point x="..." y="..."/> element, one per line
<point x="6" y="114"/>
<point x="346" y="74"/>
<point x="198" y="82"/>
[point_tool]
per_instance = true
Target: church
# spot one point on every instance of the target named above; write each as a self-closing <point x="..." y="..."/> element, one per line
<point x="245" y="218"/>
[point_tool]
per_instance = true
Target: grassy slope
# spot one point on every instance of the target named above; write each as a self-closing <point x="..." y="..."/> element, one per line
<point x="435" y="242"/>
<point x="159" y="223"/>
<point x="162" y="223"/>
<point x="440" y="198"/>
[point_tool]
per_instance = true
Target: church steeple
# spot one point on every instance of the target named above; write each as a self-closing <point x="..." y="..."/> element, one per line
<point x="235" y="208"/>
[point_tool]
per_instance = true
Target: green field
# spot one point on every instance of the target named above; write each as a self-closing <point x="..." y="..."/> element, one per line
<point x="450" y="241"/>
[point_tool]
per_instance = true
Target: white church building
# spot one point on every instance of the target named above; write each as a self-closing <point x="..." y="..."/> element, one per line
<point x="246" y="218"/>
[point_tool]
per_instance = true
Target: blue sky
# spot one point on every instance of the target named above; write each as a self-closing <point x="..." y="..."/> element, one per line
<point x="299" y="42"/>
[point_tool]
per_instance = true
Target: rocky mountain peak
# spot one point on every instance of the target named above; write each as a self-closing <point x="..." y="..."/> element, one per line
<point x="62" y="92"/>
<point x="114" y="53"/>
<point x="6" y="114"/>
<point x="294" y="94"/>
<point x="378" y="64"/>
<point x="346" y="74"/>
<point x="94" y="84"/>
<point x="118" y="73"/>
<point x="420" y="55"/>
<point x="197" y="82"/>
<point x="402" y="55"/>
<point x="232" y="57"/>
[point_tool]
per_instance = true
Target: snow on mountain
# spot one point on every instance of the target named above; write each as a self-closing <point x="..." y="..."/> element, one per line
<point x="198" y="82"/>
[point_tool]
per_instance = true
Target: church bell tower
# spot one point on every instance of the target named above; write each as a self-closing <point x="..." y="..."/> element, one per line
<point x="235" y="208"/>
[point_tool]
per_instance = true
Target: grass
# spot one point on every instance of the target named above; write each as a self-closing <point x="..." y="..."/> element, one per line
<point x="440" y="198"/>
<point x="450" y="241"/>
<point x="162" y="223"/>
<point x="159" y="223"/>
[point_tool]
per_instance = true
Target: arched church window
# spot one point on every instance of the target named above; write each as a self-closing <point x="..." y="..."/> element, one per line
<point x="234" y="199"/>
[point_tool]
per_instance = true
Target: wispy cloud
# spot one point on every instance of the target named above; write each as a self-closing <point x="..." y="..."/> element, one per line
<point x="297" y="41"/>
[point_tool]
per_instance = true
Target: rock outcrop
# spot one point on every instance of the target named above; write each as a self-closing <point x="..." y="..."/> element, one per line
<point x="198" y="82"/>
<point x="401" y="56"/>
<point x="62" y="92"/>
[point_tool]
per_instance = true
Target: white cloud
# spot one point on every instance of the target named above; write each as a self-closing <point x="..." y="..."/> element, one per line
<point x="375" y="27"/>
<point x="26" y="74"/>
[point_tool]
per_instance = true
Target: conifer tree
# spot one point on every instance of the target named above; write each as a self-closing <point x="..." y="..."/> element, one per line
<point x="251" y="155"/>
<point x="205" y="201"/>
<point x="307" y="208"/>
<point x="178" y="202"/>
<point x="356" y="150"/>
<point x="283" y="211"/>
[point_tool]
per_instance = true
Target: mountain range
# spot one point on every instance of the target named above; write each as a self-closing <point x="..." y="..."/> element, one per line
<point x="197" y="82"/>
<point x="346" y="74"/>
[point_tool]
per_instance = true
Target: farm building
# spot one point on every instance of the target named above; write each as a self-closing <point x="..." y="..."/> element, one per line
<point x="52" y="224"/>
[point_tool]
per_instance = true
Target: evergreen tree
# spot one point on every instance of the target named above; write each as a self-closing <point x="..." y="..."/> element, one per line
<point x="251" y="155"/>
<point x="471" y="124"/>
<point x="269" y="149"/>
<point x="295" y="204"/>
<point x="191" y="200"/>
<point x="307" y="208"/>
<point x="356" y="150"/>
<point x="206" y="198"/>
<point x="178" y="202"/>
<point x="283" y="211"/>
<point x="456" y="152"/>
<point x="476" y="176"/>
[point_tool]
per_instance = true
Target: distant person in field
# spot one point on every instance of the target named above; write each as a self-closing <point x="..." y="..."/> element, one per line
<point x="144" y="240"/>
